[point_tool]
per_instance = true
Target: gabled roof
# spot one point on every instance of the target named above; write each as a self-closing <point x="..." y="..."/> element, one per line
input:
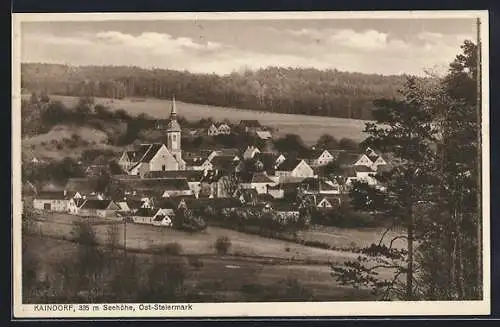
<point x="268" y="159"/>
<point x="348" y="158"/>
<point x="155" y="184"/>
<point x="134" y="203"/>
<point x="153" y="149"/>
<point x="50" y="195"/>
<point x="284" y="206"/>
<point x="289" y="164"/>
<point x="325" y="186"/>
<point x="261" y="178"/>
<point x="362" y="169"/>
<point x="96" y="204"/>
<point x="264" y="135"/>
<point x="250" y="123"/>
<point x="190" y="175"/>
<point x="330" y="198"/>
<point x="146" y="212"/>
<point x="227" y="152"/>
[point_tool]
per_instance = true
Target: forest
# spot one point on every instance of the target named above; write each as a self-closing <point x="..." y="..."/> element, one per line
<point x="329" y="93"/>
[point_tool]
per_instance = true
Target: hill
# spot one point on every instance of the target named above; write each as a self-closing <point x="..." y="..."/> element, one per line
<point x="310" y="128"/>
<point x="280" y="90"/>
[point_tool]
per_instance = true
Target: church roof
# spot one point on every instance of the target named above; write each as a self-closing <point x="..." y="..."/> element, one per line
<point x="151" y="152"/>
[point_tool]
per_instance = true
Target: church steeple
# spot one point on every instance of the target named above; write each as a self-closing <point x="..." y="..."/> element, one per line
<point x="173" y="109"/>
<point x="174" y="133"/>
<point x="173" y="124"/>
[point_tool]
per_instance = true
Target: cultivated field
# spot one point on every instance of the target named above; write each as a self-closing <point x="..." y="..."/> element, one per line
<point x="310" y="128"/>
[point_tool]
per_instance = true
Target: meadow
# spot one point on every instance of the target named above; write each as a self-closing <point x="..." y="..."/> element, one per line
<point x="310" y="128"/>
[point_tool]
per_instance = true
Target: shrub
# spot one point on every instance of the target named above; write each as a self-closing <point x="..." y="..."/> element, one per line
<point x="171" y="248"/>
<point x="222" y="245"/>
<point x="195" y="262"/>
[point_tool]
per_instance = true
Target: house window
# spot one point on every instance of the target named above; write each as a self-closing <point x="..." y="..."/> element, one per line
<point x="163" y="167"/>
<point x="46" y="206"/>
<point x="174" y="137"/>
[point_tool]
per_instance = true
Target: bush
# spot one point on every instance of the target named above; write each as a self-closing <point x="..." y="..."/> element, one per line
<point x="222" y="245"/>
<point x="171" y="248"/>
<point x="195" y="262"/>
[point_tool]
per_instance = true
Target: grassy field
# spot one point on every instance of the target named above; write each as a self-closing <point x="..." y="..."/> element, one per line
<point x="224" y="278"/>
<point x="147" y="237"/>
<point x="310" y="128"/>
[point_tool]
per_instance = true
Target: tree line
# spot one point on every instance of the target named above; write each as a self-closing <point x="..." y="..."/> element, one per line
<point x="282" y="90"/>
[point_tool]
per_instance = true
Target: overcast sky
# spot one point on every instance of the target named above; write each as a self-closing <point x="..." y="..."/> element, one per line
<point x="382" y="46"/>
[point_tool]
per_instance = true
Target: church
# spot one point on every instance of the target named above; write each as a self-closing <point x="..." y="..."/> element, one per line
<point x="157" y="156"/>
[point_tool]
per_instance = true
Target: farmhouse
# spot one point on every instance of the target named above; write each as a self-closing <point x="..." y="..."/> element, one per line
<point x="74" y="205"/>
<point x="98" y="208"/>
<point x="156" y="216"/>
<point x="224" y="129"/>
<point x="328" y="202"/>
<point x="250" y="152"/>
<point x="264" y="135"/>
<point x="51" y="201"/>
<point x="157" y="156"/>
<point x="193" y="177"/>
<point x="293" y="167"/>
<point x="250" y="126"/>
<point x="259" y="182"/>
<point x="318" y="157"/>
<point x="213" y="130"/>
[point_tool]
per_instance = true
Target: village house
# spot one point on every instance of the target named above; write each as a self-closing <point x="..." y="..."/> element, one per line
<point x="193" y="178"/>
<point x="98" y="208"/>
<point x="258" y="181"/>
<point x="250" y="152"/>
<point x="264" y="135"/>
<point x="319" y="157"/>
<point x="154" y="216"/>
<point x="250" y="126"/>
<point x="246" y="196"/>
<point x="224" y="129"/>
<point x="74" y="205"/>
<point x="51" y="201"/>
<point x="276" y="191"/>
<point x="293" y="167"/>
<point x="328" y="202"/>
<point x="157" y="156"/>
<point x="212" y="130"/>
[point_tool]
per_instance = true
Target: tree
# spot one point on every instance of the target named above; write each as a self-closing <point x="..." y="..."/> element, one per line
<point x="327" y="141"/>
<point x="404" y="129"/>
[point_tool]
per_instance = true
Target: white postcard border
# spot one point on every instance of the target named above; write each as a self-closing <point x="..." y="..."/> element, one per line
<point x="290" y="309"/>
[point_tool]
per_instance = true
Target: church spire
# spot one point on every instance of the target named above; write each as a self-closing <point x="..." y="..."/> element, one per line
<point x="173" y="110"/>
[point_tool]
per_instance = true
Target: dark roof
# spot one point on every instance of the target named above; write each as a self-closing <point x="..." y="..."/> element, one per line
<point x="250" y="123"/>
<point x="51" y="195"/>
<point x="190" y="175"/>
<point x="101" y="160"/>
<point x="146" y="212"/>
<point x="134" y="203"/>
<point x="228" y="152"/>
<point x="363" y="169"/>
<point x="268" y="159"/>
<point x="82" y="185"/>
<point x="261" y="178"/>
<point x="151" y="152"/>
<point x="265" y="197"/>
<point x="79" y="202"/>
<point x="223" y="163"/>
<point x="348" y="158"/>
<point x="289" y="164"/>
<point x="167" y="203"/>
<point x="216" y="203"/>
<point x="194" y="161"/>
<point x="384" y="168"/>
<point x="96" y="204"/>
<point x="348" y="171"/>
<point x="324" y="186"/>
<point x="154" y="184"/>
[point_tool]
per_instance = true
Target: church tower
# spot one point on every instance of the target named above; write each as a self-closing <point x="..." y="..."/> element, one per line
<point x="174" y="133"/>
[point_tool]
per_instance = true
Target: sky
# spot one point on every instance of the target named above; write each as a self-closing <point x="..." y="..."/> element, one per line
<point x="374" y="46"/>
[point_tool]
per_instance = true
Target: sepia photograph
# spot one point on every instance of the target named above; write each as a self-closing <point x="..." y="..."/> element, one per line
<point x="250" y="164"/>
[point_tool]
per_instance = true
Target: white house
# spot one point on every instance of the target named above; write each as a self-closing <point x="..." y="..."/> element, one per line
<point x="213" y="130"/>
<point x="328" y="202"/>
<point x="294" y="168"/>
<point x="250" y="152"/>
<point x="224" y="129"/>
<point x="156" y="216"/>
<point x="51" y="201"/>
